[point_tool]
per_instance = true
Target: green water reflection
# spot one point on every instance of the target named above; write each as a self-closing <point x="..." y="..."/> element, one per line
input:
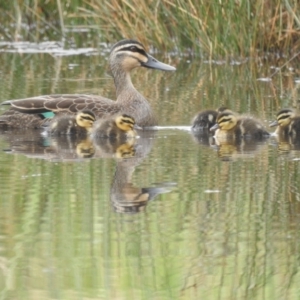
<point x="208" y="223"/>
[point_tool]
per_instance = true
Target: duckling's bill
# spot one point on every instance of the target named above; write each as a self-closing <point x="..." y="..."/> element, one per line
<point x="215" y="127"/>
<point x="274" y="123"/>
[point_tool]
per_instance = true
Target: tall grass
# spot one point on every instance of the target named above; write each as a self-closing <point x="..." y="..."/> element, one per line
<point x="205" y="27"/>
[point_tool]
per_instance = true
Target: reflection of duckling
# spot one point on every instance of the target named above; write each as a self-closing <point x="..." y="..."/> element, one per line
<point x="231" y="126"/>
<point x="85" y="148"/>
<point x="288" y="123"/>
<point x="118" y="127"/>
<point x="126" y="150"/>
<point x="79" y="125"/>
<point x="114" y="148"/>
<point x="243" y="148"/>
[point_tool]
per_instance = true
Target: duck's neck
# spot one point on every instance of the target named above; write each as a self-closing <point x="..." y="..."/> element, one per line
<point x="122" y="80"/>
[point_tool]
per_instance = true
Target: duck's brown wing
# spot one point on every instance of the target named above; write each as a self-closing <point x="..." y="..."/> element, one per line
<point x="99" y="105"/>
<point x="66" y="103"/>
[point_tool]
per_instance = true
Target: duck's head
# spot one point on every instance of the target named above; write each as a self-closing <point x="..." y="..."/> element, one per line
<point x="283" y="118"/>
<point x="130" y="54"/>
<point x="85" y="119"/>
<point x="225" y="121"/>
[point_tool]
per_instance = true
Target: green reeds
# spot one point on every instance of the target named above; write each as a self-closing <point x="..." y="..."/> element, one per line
<point x="202" y="27"/>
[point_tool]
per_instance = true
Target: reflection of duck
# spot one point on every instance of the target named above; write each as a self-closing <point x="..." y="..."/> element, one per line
<point x="232" y="126"/>
<point x="288" y="124"/>
<point x="79" y="125"/>
<point x="128" y="198"/>
<point x="52" y="148"/>
<point x="119" y="127"/>
<point x="124" y="56"/>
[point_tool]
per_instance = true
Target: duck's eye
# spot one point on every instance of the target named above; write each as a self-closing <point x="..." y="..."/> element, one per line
<point x="133" y="49"/>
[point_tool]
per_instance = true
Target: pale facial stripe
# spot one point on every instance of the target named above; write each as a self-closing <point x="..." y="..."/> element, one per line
<point x="127" y="46"/>
<point x="283" y="116"/>
<point x="88" y="118"/>
<point x="139" y="53"/>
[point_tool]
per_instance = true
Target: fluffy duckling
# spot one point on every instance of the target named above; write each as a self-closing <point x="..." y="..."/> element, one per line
<point x="232" y="126"/>
<point x="288" y="123"/>
<point x="79" y="125"/>
<point x="118" y="127"/>
<point x="206" y="119"/>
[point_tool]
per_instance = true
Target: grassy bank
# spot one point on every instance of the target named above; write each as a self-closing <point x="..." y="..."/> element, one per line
<point x="205" y="27"/>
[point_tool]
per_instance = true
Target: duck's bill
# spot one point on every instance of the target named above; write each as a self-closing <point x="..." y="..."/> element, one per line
<point x="155" y="64"/>
<point x="215" y="127"/>
<point x="274" y="123"/>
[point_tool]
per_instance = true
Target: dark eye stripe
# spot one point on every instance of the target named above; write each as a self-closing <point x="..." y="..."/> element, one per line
<point x="224" y="120"/>
<point x="281" y="117"/>
<point x="89" y="118"/>
<point x="133" y="49"/>
<point x="128" y="121"/>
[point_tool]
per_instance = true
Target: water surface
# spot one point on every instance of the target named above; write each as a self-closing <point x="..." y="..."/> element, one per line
<point x="179" y="218"/>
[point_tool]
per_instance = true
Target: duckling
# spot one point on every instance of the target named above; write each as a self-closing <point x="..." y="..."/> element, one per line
<point x="125" y="56"/>
<point x="118" y="127"/>
<point x="80" y="125"/>
<point x="206" y="119"/>
<point x="232" y="126"/>
<point x="288" y="124"/>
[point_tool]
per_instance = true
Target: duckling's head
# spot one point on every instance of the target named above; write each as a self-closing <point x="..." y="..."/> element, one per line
<point x="125" y="122"/>
<point x="225" y="121"/>
<point x="85" y="119"/>
<point x="130" y="54"/>
<point x="283" y="118"/>
<point x="204" y="120"/>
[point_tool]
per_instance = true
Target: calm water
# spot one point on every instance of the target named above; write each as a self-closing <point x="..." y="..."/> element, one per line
<point x="179" y="218"/>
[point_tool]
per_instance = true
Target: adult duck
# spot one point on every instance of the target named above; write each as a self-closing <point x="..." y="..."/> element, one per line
<point x="124" y="57"/>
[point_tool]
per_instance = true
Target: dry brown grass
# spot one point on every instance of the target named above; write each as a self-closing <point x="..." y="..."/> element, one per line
<point x="224" y="28"/>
